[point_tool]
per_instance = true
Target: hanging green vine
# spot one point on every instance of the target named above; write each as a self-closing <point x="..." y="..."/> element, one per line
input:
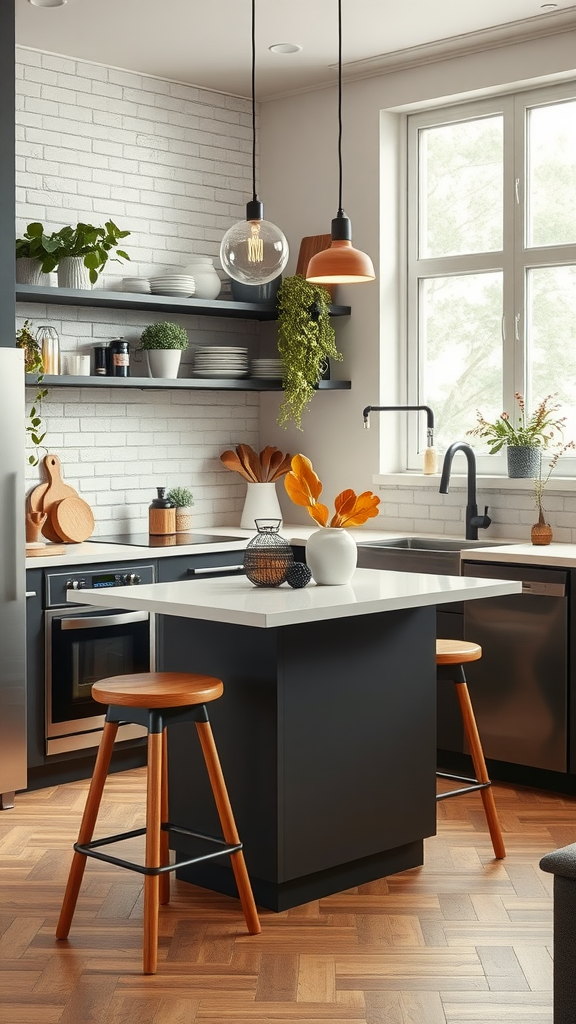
<point x="35" y="430"/>
<point x="306" y="340"/>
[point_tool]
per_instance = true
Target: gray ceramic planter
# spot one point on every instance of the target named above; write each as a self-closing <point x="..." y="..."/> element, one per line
<point x="523" y="460"/>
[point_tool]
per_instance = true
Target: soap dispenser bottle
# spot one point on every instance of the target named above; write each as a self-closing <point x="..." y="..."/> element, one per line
<point x="161" y="514"/>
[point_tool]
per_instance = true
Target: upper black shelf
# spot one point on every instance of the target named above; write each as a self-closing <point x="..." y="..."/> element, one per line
<point x="98" y="297"/>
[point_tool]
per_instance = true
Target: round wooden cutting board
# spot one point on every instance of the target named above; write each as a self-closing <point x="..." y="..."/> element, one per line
<point x="72" y="519"/>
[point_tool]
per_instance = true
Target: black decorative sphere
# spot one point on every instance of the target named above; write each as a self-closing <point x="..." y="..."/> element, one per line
<point x="298" y="575"/>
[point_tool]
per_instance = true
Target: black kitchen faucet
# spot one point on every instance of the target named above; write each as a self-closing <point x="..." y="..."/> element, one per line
<point x="474" y="522"/>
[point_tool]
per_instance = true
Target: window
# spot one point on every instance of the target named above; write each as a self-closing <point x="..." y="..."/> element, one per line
<point x="491" y="281"/>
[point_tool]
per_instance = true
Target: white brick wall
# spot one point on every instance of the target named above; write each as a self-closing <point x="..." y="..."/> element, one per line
<point x="172" y="164"/>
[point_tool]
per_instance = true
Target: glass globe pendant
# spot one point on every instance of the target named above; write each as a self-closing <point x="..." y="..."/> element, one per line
<point x="254" y="251"/>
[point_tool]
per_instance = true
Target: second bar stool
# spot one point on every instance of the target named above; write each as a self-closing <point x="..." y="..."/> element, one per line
<point x="451" y="656"/>
<point x="156" y="700"/>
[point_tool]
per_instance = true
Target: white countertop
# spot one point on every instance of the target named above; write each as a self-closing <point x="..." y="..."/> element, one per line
<point x="563" y="555"/>
<point x="236" y="600"/>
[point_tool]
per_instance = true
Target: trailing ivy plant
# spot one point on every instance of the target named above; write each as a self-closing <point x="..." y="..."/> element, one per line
<point x="306" y="340"/>
<point x="33" y="364"/>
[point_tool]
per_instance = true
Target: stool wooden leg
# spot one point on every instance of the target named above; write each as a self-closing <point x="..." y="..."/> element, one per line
<point x="87" y="828"/>
<point x="477" y="754"/>
<point x="153" y="822"/>
<point x="228" y="824"/>
<point x="164" y="837"/>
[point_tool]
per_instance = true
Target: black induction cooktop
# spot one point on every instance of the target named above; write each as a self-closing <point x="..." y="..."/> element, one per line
<point x="168" y="540"/>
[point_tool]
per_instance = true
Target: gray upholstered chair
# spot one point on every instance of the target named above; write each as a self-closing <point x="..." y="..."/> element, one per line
<point x="562" y="864"/>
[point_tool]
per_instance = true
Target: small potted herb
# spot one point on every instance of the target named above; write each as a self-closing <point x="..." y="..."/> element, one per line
<point x="79" y="254"/>
<point x="306" y="340"/>
<point x="524" y="437"/>
<point x="183" y="500"/>
<point x="164" y="343"/>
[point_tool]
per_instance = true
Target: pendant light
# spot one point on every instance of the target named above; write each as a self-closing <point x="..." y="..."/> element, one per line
<point x="254" y="251"/>
<point x="341" y="263"/>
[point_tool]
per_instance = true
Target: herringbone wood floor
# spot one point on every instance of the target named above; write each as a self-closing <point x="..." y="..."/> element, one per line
<point x="463" y="938"/>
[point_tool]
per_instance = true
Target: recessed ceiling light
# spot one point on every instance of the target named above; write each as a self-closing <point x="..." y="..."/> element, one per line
<point x="285" y="48"/>
<point x="47" y="3"/>
<point x="549" y="7"/>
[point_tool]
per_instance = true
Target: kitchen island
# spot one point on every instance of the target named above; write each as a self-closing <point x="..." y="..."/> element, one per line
<point x="327" y="726"/>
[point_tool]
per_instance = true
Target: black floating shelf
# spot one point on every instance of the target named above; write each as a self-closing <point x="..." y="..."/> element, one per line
<point x="181" y="383"/>
<point x="99" y="298"/>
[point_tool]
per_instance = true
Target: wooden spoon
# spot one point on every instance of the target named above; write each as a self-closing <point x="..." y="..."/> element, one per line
<point x="265" y="456"/>
<point x="231" y="461"/>
<point x="284" y="467"/>
<point x="249" y="460"/>
<point x="275" y="462"/>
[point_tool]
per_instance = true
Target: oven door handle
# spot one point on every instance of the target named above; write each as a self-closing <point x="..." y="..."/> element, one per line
<point x="103" y="620"/>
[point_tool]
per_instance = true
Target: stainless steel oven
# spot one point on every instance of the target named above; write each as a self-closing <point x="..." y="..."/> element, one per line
<point x="84" y="644"/>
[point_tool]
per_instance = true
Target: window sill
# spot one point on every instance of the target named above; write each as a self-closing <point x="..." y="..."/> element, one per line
<point x="459" y="481"/>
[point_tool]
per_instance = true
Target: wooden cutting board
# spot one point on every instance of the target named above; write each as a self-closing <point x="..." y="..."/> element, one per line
<point x="309" y="246"/>
<point x="56" y="490"/>
<point x="72" y="519"/>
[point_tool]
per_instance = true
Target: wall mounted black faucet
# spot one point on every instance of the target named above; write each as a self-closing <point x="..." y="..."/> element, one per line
<point x="474" y="522"/>
<point x="430" y="457"/>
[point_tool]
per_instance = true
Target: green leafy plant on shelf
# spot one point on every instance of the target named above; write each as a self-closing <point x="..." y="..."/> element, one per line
<point x="96" y="245"/>
<point x="306" y="341"/>
<point x="35" y="430"/>
<point x="181" y="497"/>
<point x="164" y="335"/>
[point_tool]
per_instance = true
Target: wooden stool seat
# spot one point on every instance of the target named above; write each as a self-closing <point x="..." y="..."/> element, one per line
<point x="451" y="656"/>
<point x="157" y="690"/>
<point x="157" y="700"/>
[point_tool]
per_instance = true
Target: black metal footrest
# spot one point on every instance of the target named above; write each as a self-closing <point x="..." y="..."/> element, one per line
<point x="92" y="849"/>
<point x="469" y="787"/>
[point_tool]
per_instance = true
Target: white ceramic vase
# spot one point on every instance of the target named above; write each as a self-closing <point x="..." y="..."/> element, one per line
<point x="331" y="556"/>
<point x="73" y="274"/>
<point x="163" y="362"/>
<point x="29" y="271"/>
<point x="261" y="503"/>
<point x="207" y="282"/>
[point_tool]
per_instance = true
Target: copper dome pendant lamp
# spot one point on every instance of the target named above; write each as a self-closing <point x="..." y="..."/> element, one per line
<point x="341" y="263"/>
<point x="254" y="251"/>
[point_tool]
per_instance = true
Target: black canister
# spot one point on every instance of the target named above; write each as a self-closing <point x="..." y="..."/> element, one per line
<point x="120" y="358"/>
<point x="101" y="360"/>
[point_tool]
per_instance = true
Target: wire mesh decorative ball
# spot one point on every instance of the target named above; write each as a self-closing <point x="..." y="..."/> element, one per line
<point x="268" y="556"/>
<point x="298" y="575"/>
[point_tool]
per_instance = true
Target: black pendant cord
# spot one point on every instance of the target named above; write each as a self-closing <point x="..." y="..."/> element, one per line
<point x="254" y="196"/>
<point x="340" y="210"/>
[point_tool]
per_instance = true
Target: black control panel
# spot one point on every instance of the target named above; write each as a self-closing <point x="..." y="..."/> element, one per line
<point x="60" y="584"/>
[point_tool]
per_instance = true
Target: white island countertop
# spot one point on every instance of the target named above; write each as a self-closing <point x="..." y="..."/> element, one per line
<point x="236" y="600"/>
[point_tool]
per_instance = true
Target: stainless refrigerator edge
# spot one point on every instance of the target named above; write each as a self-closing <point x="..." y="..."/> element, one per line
<point x="12" y="452"/>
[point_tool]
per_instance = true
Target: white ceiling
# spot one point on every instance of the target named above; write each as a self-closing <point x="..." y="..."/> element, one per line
<point x="207" y="42"/>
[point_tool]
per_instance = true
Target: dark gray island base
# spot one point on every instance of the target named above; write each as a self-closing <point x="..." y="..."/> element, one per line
<point x="327" y="737"/>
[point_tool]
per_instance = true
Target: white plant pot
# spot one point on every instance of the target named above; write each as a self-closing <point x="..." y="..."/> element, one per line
<point x="28" y="271"/>
<point x="261" y="503"/>
<point x="331" y="556"/>
<point x="163" y="362"/>
<point x="73" y="274"/>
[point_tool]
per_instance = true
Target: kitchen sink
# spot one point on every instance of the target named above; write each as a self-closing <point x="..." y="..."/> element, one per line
<point x="440" y="555"/>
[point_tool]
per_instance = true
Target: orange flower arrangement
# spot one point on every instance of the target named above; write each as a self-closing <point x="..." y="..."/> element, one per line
<point x="304" y="488"/>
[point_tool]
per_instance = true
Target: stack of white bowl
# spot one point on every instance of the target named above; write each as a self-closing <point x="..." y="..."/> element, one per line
<point x="226" y="362"/>
<point x="179" y="285"/>
<point x="208" y="284"/>
<point x="136" y="284"/>
<point x="270" y="368"/>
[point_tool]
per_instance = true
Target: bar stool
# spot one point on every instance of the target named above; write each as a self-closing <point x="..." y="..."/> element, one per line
<point x="451" y="656"/>
<point x="156" y="700"/>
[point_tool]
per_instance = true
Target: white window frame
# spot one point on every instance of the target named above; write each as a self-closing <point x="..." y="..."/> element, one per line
<point x="514" y="260"/>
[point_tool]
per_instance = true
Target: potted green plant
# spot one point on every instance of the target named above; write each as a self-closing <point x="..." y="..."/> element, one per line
<point x="79" y="254"/>
<point x="164" y="343"/>
<point x="306" y="340"/>
<point x="35" y="431"/>
<point x="524" y="437"/>
<point x="183" y="500"/>
<point x="31" y="250"/>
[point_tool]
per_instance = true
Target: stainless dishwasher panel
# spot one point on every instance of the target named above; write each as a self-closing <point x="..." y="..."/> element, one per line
<point x="519" y="688"/>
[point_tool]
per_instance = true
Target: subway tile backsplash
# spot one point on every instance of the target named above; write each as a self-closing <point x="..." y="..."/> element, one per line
<point x="172" y="164"/>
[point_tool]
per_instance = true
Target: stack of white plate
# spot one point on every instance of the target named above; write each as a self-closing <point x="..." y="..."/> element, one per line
<point x="179" y="285"/>
<point x="135" y="284"/>
<point x="225" y="362"/>
<point x="267" y="368"/>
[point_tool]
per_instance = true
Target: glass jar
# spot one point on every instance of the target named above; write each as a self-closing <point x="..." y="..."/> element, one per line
<point x="268" y="556"/>
<point x="49" y="343"/>
<point x="120" y="358"/>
